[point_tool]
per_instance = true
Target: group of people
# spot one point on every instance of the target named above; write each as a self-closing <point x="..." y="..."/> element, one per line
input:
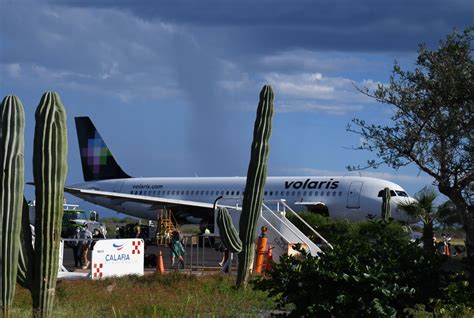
<point x="444" y="245"/>
<point x="84" y="240"/>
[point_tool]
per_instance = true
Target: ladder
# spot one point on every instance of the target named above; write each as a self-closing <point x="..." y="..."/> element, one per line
<point x="282" y="234"/>
<point x="167" y="225"/>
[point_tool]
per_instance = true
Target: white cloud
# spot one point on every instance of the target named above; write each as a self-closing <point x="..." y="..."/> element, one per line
<point x="104" y="51"/>
<point x="13" y="70"/>
<point x="301" y="85"/>
<point x="307" y="61"/>
<point x="309" y="106"/>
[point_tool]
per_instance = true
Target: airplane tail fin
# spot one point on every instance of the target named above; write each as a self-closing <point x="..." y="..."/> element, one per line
<point x="98" y="163"/>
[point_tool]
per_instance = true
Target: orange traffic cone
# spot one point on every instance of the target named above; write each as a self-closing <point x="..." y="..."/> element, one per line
<point x="268" y="264"/>
<point x="159" y="265"/>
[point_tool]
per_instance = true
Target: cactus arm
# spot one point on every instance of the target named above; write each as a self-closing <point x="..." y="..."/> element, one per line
<point x="256" y="177"/>
<point x="229" y="236"/>
<point x="11" y="197"/>
<point x="49" y="171"/>
<point x="25" y="256"/>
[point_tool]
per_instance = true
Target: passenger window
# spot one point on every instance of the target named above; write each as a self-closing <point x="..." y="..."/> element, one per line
<point x="222" y="192"/>
<point x="140" y="193"/>
<point x="287" y="193"/>
<point x="212" y="192"/>
<point x="304" y="193"/>
<point x="238" y="192"/>
<point x="316" y="193"/>
<point x="334" y="194"/>
<point x="207" y="192"/>
<point x="265" y="193"/>
<point x="310" y="193"/>
<point x="232" y="193"/>
<point x="192" y="192"/>
<point x="158" y="193"/>
<point x="322" y="193"/>
<point x="298" y="193"/>
<point x="282" y="193"/>
<point x="271" y="192"/>
<point x="293" y="193"/>
<point x="340" y="193"/>
<point x="328" y="193"/>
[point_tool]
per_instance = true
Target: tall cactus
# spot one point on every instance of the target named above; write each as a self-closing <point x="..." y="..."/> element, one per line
<point x="386" y="212"/>
<point x="256" y="177"/>
<point x="49" y="171"/>
<point x="12" y="126"/>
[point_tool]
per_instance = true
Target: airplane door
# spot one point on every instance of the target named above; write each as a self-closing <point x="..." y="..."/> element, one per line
<point x="117" y="186"/>
<point x="353" y="197"/>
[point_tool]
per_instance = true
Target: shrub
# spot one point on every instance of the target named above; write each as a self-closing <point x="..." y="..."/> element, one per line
<point x="332" y="230"/>
<point x="373" y="270"/>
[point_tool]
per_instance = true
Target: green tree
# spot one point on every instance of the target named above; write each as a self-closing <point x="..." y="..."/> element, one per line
<point x="447" y="214"/>
<point x="374" y="272"/>
<point x="432" y="125"/>
<point x="424" y="209"/>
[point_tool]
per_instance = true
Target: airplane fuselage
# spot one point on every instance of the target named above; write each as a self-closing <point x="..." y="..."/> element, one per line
<point x="348" y="197"/>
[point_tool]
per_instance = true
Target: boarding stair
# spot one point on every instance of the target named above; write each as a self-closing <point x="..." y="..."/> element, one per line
<point x="282" y="235"/>
<point x="167" y="225"/>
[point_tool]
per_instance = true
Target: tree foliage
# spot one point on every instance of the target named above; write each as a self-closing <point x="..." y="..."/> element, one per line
<point x="374" y="270"/>
<point x="432" y="125"/>
<point x="425" y="210"/>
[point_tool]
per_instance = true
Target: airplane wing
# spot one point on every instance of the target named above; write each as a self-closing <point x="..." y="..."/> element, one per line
<point x="119" y="198"/>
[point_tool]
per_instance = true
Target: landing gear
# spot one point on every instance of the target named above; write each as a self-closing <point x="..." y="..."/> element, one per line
<point x="319" y="209"/>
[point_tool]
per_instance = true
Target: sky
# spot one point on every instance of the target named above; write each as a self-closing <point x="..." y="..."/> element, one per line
<point x="173" y="86"/>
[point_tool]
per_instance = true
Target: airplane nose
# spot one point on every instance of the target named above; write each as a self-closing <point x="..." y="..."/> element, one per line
<point x="402" y="215"/>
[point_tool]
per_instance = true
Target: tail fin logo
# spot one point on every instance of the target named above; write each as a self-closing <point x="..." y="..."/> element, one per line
<point x="96" y="153"/>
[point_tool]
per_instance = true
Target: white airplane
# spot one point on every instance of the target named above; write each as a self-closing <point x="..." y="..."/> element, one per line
<point x="192" y="199"/>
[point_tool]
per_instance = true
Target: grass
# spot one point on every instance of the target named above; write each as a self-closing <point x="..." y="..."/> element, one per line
<point x="172" y="295"/>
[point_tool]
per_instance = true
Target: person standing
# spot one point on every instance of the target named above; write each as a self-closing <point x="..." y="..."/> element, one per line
<point x="86" y="237"/>
<point x="77" y="248"/>
<point x="97" y="235"/>
<point x="177" y="249"/>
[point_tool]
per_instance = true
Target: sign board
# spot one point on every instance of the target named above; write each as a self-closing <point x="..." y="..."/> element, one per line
<point x="117" y="258"/>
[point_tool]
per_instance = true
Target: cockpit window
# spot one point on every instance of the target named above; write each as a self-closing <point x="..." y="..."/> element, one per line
<point x="392" y="193"/>
<point x="401" y="193"/>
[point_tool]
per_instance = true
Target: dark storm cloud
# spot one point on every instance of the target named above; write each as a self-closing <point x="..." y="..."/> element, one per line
<point x="337" y="25"/>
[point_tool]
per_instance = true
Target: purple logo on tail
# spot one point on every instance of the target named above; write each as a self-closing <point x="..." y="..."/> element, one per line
<point x="96" y="153"/>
